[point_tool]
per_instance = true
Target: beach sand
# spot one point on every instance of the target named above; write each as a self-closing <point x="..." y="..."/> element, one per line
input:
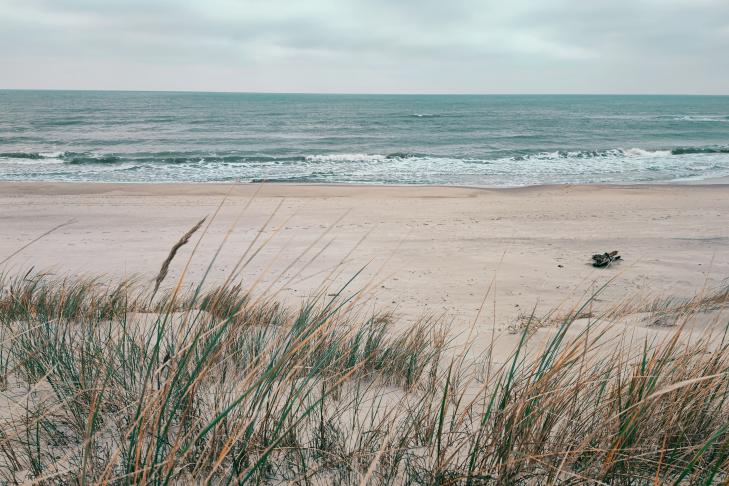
<point x="424" y="250"/>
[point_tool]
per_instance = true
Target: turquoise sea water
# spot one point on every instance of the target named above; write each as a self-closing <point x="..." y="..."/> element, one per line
<point x="408" y="139"/>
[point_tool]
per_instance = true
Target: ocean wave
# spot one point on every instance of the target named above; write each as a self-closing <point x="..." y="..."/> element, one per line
<point x="21" y="155"/>
<point x="60" y="122"/>
<point x="178" y="158"/>
<point x="346" y="158"/>
<point x="639" y="152"/>
<point x="310" y="177"/>
<point x="32" y="158"/>
<point x="51" y="155"/>
<point x="698" y="118"/>
<point x="499" y="168"/>
<point x="31" y="155"/>
<point x="160" y="119"/>
<point x="92" y="159"/>
<point x="594" y="154"/>
<point x="404" y="155"/>
<point x="699" y="150"/>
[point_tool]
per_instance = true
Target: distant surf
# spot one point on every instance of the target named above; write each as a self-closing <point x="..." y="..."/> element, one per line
<point x="561" y="166"/>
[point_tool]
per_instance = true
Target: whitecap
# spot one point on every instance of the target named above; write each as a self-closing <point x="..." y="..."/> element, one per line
<point x="702" y="118"/>
<point x="51" y="155"/>
<point x="27" y="161"/>
<point x="639" y="152"/>
<point x="346" y="158"/>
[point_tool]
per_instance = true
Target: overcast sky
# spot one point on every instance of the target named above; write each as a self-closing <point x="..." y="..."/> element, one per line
<point x="394" y="46"/>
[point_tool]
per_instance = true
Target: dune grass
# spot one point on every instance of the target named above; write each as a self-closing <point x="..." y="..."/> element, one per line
<point x="133" y="383"/>
<point x="103" y="385"/>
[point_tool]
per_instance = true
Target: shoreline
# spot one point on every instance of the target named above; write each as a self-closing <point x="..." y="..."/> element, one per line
<point x="215" y="188"/>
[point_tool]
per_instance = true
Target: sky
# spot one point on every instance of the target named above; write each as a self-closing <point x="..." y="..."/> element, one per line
<point x="367" y="46"/>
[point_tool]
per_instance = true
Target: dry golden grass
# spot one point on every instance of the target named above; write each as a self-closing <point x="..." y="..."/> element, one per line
<point x="117" y="383"/>
<point x="219" y="387"/>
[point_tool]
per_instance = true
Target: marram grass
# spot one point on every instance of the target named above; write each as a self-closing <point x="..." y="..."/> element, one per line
<point x="100" y="384"/>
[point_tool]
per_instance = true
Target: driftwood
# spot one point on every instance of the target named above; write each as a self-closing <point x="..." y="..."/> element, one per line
<point x="601" y="260"/>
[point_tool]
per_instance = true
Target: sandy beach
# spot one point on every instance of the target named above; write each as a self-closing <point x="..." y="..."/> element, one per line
<point x="351" y="243"/>
<point x="424" y="250"/>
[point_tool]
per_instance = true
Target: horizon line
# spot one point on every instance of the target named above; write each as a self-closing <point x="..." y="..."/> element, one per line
<point x="345" y="93"/>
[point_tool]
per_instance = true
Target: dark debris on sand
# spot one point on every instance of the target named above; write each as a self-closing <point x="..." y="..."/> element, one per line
<point x="602" y="260"/>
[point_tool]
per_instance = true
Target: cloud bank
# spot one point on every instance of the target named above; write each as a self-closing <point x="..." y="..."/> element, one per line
<point x="393" y="46"/>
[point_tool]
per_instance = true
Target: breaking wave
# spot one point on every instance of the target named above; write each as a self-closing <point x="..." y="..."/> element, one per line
<point x="696" y="118"/>
<point x="595" y="154"/>
<point x="346" y="158"/>
<point x="699" y="150"/>
<point x="498" y="168"/>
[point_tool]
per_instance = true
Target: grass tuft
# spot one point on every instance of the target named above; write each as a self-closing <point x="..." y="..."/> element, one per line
<point x="102" y="387"/>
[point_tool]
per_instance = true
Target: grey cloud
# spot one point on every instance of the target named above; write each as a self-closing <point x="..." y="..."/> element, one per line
<point x="369" y="45"/>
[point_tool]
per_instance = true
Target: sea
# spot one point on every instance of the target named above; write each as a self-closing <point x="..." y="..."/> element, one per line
<point x="489" y="140"/>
